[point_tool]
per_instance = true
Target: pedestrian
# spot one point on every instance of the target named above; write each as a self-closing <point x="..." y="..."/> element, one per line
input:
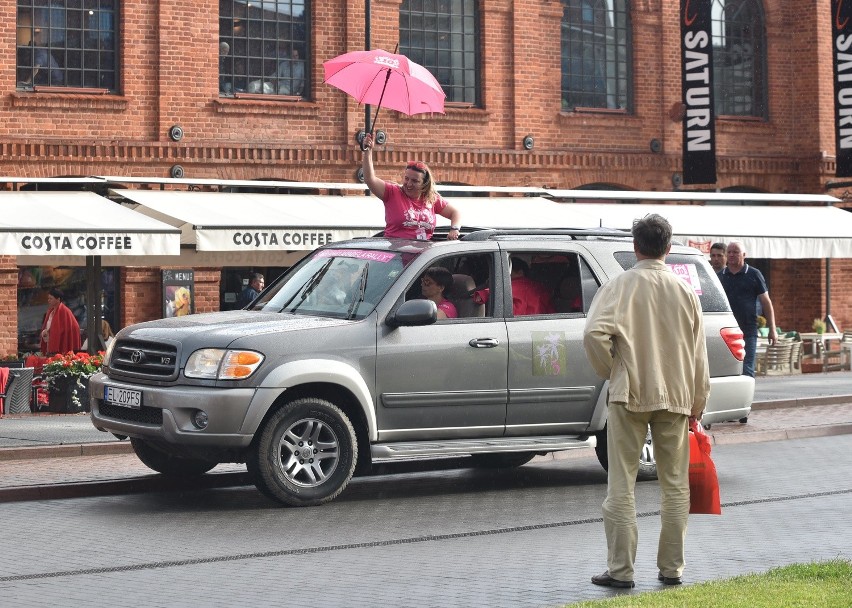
<point x="252" y="290"/>
<point x="409" y="209"/>
<point x="60" y="331"/>
<point x="718" y="251"/>
<point x="745" y="287"/>
<point x="645" y="334"/>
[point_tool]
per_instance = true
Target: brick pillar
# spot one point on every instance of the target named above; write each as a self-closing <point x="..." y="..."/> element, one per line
<point x="8" y="305"/>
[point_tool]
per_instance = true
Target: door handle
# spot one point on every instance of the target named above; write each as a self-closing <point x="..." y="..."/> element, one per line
<point x="484" y="342"/>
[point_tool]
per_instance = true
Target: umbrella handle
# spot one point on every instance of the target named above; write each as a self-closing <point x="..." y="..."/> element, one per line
<point x="379" y="105"/>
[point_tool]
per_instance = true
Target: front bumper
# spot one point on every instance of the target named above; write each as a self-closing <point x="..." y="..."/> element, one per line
<point x="166" y="413"/>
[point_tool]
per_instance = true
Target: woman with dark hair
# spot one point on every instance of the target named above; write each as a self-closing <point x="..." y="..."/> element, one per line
<point x="434" y="283"/>
<point x="410" y="208"/>
<point x="60" y="331"/>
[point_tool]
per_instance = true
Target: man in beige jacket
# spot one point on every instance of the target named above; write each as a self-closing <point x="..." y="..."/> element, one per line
<point x="645" y="334"/>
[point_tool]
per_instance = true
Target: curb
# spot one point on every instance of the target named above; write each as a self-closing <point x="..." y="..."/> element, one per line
<point x="803" y="402"/>
<point x="132" y="485"/>
<point x="124" y="447"/>
<point x="64" y="450"/>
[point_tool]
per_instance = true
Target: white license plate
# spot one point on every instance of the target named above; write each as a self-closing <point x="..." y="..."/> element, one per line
<point x="124" y="397"/>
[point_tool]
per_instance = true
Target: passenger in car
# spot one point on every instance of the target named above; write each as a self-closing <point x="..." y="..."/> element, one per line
<point x="529" y="297"/>
<point x="434" y="283"/>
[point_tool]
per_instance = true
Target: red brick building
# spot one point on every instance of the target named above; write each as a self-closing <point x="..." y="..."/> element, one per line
<point x="597" y="85"/>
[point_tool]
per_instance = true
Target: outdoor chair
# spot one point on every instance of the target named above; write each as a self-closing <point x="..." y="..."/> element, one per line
<point x="846" y="348"/>
<point x="796" y="357"/>
<point x="16" y="393"/>
<point x="777" y="358"/>
<point x="832" y="360"/>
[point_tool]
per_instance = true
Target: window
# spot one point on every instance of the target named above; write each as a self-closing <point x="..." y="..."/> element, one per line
<point x="263" y="47"/>
<point x="595" y="54"/>
<point x="443" y="36"/>
<point x="67" y="44"/>
<point x="739" y="58"/>
<point x="35" y="281"/>
<point x="550" y="282"/>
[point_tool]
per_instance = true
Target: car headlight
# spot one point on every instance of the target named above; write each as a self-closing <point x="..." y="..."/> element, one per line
<point x="221" y="364"/>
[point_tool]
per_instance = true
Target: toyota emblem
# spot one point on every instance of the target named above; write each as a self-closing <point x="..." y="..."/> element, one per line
<point x="137" y="357"/>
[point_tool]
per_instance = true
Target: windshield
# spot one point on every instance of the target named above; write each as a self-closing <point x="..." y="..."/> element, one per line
<point x="341" y="283"/>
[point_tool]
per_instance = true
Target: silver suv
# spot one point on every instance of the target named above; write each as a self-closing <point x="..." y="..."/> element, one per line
<point x="341" y="364"/>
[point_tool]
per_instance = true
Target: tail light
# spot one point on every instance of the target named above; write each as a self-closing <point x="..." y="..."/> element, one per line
<point x="733" y="337"/>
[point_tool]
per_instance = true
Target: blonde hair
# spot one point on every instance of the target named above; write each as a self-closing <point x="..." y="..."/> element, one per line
<point x="427" y="191"/>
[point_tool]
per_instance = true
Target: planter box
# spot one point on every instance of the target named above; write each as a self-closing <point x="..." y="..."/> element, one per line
<point x="61" y="396"/>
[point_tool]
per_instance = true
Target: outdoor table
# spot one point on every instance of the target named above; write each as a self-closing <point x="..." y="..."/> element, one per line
<point x="824" y="338"/>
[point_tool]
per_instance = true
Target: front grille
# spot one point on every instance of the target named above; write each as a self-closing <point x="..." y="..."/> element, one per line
<point x="145" y="414"/>
<point x="155" y="360"/>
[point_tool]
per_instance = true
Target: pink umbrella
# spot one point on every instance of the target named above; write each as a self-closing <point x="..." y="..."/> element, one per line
<point x="385" y="80"/>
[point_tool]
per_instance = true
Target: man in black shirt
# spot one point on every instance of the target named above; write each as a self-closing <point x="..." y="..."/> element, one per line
<point x="744" y="286"/>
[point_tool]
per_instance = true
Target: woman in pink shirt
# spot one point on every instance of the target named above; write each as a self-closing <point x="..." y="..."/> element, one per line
<point x="434" y="283"/>
<point x="409" y="209"/>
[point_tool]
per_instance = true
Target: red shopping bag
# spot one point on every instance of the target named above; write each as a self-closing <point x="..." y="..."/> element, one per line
<point x="703" y="483"/>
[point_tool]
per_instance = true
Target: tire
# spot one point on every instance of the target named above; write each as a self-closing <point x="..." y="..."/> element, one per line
<point x="305" y="454"/>
<point x="503" y="460"/>
<point x="171" y="466"/>
<point x="647" y="464"/>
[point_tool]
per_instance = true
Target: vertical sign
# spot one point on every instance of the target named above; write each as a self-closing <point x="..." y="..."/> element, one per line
<point x="841" y="30"/>
<point x="178" y="293"/>
<point x="699" y="130"/>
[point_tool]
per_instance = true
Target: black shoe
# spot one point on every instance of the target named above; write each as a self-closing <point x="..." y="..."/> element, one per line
<point x="605" y="580"/>
<point x="669" y="580"/>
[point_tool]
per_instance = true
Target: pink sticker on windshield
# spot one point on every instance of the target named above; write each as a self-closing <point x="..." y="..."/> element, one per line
<point x="688" y="273"/>
<point x="362" y="254"/>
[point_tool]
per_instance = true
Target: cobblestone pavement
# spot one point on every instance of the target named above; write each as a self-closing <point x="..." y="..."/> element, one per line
<point x="526" y="538"/>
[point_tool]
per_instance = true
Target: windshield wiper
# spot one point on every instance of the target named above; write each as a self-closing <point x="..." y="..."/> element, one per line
<point x="306" y="290"/>
<point x="362" y="288"/>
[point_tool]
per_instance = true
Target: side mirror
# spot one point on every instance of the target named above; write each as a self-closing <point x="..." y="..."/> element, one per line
<point x="414" y="313"/>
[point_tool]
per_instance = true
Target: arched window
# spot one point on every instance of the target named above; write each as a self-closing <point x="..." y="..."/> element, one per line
<point x="443" y="37"/>
<point x="739" y="58"/>
<point x="596" y="54"/>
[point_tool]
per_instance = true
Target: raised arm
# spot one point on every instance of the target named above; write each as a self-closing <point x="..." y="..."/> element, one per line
<point x="376" y="185"/>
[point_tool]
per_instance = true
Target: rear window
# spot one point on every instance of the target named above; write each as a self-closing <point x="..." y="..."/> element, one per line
<point x="694" y="271"/>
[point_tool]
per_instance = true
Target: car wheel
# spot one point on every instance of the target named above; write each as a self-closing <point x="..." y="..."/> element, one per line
<point x="504" y="460"/>
<point x="647" y="463"/>
<point x="172" y="466"/>
<point x="305" y="454"/>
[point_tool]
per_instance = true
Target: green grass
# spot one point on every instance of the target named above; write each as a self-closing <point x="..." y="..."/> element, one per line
<point x="820" y="585"/>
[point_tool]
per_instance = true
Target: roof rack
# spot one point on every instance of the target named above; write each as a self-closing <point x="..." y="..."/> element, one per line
<point x="486" y="234"/>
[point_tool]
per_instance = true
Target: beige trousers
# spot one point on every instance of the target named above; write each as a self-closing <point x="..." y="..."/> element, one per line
<point x="626" y="433"/>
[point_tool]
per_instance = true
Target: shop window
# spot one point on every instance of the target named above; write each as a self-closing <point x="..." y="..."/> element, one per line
<point x="67" y="44"/>
<point x="235" y="279"/>
<point x="263" y="48"/>
<point x="35" y="281"/>
<point x="443" y="37"/>
<point x="595" y="49"/>
<point x="739" y="58"/>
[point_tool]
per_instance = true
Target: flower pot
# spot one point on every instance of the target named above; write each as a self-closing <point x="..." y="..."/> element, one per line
<point x="61" y="397"/>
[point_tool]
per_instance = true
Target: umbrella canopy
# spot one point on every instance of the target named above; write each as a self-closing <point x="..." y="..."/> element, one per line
<point x="386" y="80"/>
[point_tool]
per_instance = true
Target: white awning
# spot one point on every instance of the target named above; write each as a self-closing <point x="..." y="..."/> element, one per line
<point x="240" y="222"/>
<point x="766" y="232"/>
<point x="78" y="224"/>
<point x="232" y="221"/>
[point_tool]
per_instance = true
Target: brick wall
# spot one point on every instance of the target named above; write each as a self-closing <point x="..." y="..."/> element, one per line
<point x="169" y="76"/>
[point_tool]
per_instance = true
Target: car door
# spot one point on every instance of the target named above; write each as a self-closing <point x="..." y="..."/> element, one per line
<point x="552" y="387"/>
<point x="448" y="379"/>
